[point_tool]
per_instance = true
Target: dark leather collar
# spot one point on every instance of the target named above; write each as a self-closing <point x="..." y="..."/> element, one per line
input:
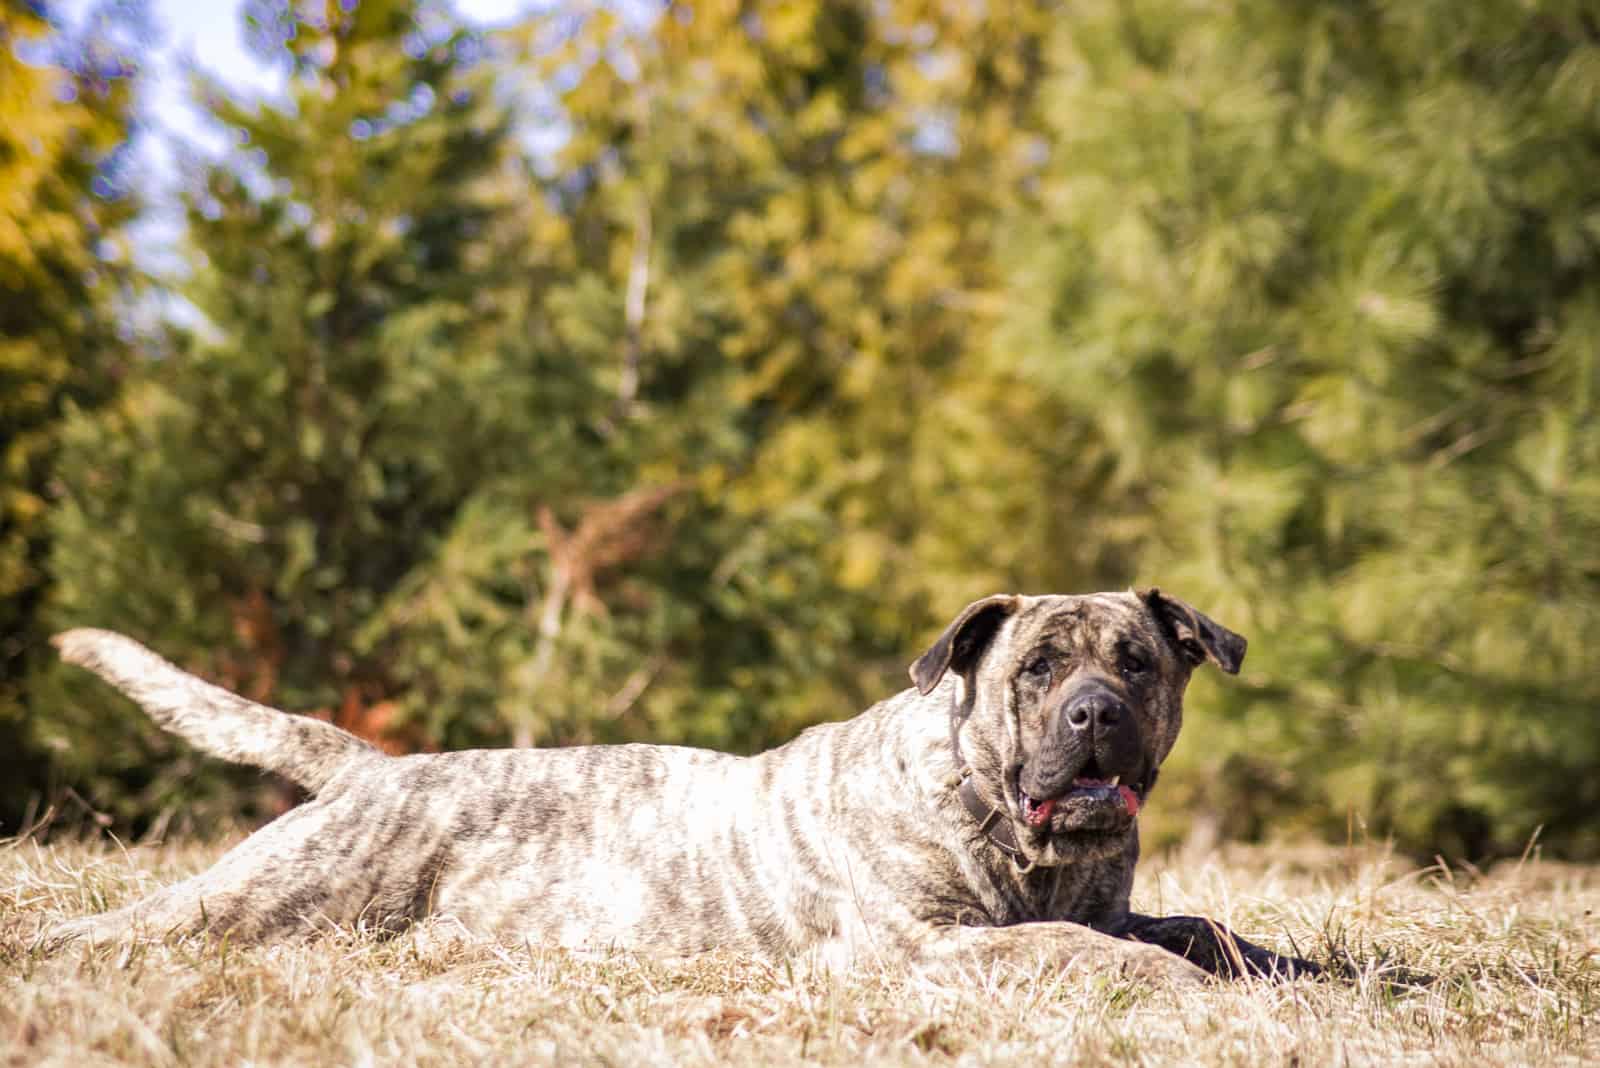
<point x="991" y="821"/>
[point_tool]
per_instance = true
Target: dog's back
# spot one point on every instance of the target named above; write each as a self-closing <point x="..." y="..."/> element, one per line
<point x="661" y="848"/>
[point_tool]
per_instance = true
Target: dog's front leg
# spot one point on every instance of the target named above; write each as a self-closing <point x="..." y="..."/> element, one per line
<point x="1050" y="946"/>
<point x="1214" y="948"/>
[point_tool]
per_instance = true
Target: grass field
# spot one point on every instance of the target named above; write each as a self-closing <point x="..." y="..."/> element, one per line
<point x="1516" y="952"/>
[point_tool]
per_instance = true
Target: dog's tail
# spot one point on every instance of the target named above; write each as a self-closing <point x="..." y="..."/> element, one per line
<point x="304" y="750"/>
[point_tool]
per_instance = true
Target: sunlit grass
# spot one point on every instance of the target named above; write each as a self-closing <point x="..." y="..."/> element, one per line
<point x="1516" y="953"/>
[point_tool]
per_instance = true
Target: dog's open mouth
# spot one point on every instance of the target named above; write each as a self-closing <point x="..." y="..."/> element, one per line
<point x="1094" y="791"/>
<point x="1089" y="795"/>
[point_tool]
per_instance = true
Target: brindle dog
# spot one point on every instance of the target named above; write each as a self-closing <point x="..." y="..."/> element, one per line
<point x="989" y="814"/>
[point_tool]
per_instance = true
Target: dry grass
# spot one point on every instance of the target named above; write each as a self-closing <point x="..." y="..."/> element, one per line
<point x="1516" y="952"/>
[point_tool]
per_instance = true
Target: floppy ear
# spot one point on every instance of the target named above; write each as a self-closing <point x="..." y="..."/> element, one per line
<point x="1198" y="636"/>
<point x="963" y="641"/>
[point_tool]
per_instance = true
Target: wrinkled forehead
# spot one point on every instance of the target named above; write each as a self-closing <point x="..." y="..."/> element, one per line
<point x="1092" y="621"/>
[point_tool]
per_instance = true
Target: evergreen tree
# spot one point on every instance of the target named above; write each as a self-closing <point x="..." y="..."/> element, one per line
<point x="818" y="186"/>
<point x="66" y="117"/>
<point x="820" y="319"/>
<point x="255" y="497"/>
<point x="475" y="474"/>
<point x="1318" y="281"/>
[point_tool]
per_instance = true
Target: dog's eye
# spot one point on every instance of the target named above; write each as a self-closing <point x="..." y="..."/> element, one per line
<point x="1133" y="664"/>
<point x="1038" y="669"/>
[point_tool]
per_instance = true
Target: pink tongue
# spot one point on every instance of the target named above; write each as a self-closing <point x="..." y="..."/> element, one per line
<point x="1130" y="799"/>
<point x="1041" y="810"/>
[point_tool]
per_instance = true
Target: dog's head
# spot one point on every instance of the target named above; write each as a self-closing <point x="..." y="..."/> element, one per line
<point x="1071" y="705"/>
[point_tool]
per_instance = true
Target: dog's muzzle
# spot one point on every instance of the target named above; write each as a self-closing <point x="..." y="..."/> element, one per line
<point x="1090" y="774"/>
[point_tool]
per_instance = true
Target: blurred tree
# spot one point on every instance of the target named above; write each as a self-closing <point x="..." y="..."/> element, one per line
<point x="473" y="474"/>
<point x="803" y="323"/>
<point x="1321" y="279"/>
<point x="725" y="628"/>
<point x="347" y="384"/>
<point x="815" y="188"/>
<point x="66" y="123"/>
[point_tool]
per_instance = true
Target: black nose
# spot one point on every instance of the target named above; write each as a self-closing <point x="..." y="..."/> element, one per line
<point x="1094" y="710"/>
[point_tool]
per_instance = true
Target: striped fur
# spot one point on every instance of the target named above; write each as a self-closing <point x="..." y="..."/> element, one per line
<point x="847" y="844"/>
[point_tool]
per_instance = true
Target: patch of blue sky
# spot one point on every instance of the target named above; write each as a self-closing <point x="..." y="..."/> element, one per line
<point x="209" y="37"/>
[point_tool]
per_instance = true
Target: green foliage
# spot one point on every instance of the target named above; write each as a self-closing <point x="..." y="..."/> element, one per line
<point x="65" y="112"/>
<point x="820" y="185"/>
<point x="398" y="475"/>
<point x="251" y="503"/>
<point x="1320" y="281"/>
<point x="804" y="323"/>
